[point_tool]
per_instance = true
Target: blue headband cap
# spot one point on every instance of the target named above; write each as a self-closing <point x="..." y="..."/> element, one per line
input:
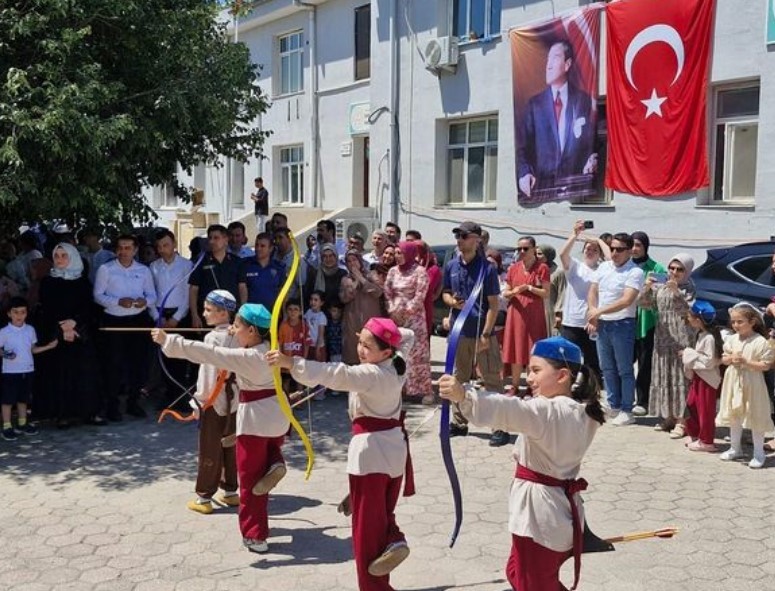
<point x="558" y="348"/>
<point x="222" y="299"/>
<point x="704" y="310"/>
<point x="256" y="314"/>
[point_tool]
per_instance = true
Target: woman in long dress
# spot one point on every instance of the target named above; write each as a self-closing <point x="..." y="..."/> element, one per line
<point x="405" y="289"/>
<point x="672" y="301"/>
<point x="361" y="294"/>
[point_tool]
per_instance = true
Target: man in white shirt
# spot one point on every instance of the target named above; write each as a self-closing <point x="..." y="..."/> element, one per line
<point x="379" y="240"/>
<point x="124" y="288"/>
<point x="611" y="310"/>
<point x="169" y="274"/>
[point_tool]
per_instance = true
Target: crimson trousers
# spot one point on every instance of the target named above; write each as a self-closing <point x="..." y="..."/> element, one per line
<point x="532" y="567"/>
<point x="701" y="403"/>
<point x="255" y="454"/>
<point x="373" y="499"/>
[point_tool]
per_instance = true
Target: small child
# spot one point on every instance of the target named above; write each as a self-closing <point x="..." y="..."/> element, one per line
<point x="377" y="458"/>
<point x="293" y="339"/>
<point x="217" y="464"/>
<point x="18" y="343"/>
<point x="701" y="366"/>
<point x="744" y="400"/>
<point x="317" y="321"/>
<point x="334" y="335"/>
<point x="556" y="428"/>
<point x="261" y="424"/>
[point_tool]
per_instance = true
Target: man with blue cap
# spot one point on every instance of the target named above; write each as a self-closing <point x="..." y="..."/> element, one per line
<point x="556" y="428"/>
<point x="261" y="424"/>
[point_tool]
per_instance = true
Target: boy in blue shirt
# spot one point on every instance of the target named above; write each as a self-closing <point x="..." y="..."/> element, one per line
<point x="18" y="344"/>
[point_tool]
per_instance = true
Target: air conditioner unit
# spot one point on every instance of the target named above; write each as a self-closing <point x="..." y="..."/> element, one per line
<point x="441" y="53"/>
<point x="346" y="228"/>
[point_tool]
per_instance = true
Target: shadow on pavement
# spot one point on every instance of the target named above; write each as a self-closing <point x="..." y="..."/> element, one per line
<point x="306" y="546"/>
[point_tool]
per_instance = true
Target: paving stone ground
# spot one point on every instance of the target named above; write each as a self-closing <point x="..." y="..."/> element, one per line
<point x="104" y="509"/>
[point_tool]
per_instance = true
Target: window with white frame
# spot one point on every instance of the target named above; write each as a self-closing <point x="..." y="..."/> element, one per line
<point x="292" y="174"/>
<point x="476" y="19"/>
<point x="291" y="53"/>
<point x="472" y="161"/>
<point x="164" y="196"/>
<point x="735" y="137"/>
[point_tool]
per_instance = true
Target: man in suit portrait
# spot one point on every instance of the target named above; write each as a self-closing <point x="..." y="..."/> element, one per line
<point x="557" y="135"/>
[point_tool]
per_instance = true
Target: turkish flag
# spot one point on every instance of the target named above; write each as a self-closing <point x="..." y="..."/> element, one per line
<point x="658" y="55"/>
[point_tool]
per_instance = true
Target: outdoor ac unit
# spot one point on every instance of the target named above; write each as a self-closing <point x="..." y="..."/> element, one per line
<point x="348" y="227"/>
<point x="441" y="52"/>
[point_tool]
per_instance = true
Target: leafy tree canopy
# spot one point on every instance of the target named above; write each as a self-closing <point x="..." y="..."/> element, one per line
<point x="100" y="98"/>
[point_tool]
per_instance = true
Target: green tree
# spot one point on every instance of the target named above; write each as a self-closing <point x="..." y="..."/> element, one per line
<point x="100" y="98"/>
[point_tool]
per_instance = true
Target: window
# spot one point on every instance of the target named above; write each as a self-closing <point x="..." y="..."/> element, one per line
<point x="164" y="196"/>
<point x="735" y="137"/>
<point x="755" y="268"/>
<point x="472" y="162"/>
<point x="363" y="42"/>
<point x="291" y="52"/>
<point x="476" y="19"/>
<point x="292" y="174"/>
<point x="237" y="182"/>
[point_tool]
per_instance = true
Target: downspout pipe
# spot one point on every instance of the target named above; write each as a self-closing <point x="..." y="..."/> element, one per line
<point x="395" y="156"/>
<point x="313" y="98"/>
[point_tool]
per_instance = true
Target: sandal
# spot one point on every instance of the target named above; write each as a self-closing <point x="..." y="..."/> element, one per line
<point x="678" y="432"/>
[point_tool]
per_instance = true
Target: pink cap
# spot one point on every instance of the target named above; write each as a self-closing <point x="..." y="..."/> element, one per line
<point x="385" y="330"/>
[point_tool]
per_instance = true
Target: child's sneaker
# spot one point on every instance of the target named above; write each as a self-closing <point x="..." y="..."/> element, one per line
<point x="393" y="555"/>
<point x="28" y="429"/>
<point x="228" y="499"/>
<point x="257" y="546"/>
<point x="730" y="455"/>
<point x="757" y="462"/>
<point x="203" y="506"/>
<point x="9" y="435"/>
<point x="271" y="479"/>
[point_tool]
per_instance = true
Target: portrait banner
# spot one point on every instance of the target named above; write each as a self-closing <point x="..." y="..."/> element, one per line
<point x="555" y="85"/>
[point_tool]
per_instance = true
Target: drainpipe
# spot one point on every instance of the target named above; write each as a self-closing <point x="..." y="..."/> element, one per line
<point x="394" y="94"/>
<point x="313" y="97"/>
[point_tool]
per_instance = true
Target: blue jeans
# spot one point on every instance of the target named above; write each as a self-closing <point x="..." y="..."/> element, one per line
<point x="615" y="342"/>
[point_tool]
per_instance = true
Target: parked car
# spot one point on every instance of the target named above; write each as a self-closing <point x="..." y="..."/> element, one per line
<point x="444" y="253"/>
<point x="730" y="275"/>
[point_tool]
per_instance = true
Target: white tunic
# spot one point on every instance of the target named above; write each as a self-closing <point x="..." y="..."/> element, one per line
<point x="260" y="417"/>
<point x="375" y="391"/>
<point x="554" y="435"/>
<point x="208" y="374"/>
<point x="702" y="360"/>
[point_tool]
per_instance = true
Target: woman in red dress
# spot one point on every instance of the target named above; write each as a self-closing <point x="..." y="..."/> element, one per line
<point x="527" y="287"/>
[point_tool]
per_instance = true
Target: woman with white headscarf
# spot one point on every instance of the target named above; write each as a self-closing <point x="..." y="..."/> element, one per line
<point x="672" y="299"/>
<point x="66" y="312"/>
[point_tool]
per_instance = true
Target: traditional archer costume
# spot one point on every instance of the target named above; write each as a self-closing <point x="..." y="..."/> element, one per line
<point x="546" y="515"/>
<point x="378" y="456"/>
<point x="261" y="424"/>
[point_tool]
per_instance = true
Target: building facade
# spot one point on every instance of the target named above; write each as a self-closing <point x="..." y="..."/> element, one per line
<point x="406" y="107"/>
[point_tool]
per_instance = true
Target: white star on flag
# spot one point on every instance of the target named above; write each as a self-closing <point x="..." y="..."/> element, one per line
<point x="654" y="104"/>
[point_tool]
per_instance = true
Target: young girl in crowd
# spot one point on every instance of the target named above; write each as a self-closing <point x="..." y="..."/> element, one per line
<point x="556" y="428"/>
<point x="261" y="425"/>
<point x="744" y="401"/>
<point x="377" y="459"/>
<point x="701" y="365"/>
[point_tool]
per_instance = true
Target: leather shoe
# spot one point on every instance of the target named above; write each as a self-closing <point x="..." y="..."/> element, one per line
<point x="456" y="430"/>
<point x="499" y="438"/>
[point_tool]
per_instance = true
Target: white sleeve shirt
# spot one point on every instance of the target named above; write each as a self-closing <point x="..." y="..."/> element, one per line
<point x="114" y="281"/>
<point x="168" y="277"/>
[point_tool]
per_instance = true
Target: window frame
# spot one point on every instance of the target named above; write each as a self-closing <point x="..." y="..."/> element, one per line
<point x="489" y="33"/>
<point x="286" y="198"/>
<point x="728" y="122"/>
<point x="488" y="201"/>
<point x="362" y="59"/>
<point x="297" y="53"/>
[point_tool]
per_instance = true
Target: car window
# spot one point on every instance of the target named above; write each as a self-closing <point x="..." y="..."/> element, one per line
<point x="755" y="268"/>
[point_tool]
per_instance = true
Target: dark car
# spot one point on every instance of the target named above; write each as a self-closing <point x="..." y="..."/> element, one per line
<point x="731" y="275"/>
<point x="444" y="254"/>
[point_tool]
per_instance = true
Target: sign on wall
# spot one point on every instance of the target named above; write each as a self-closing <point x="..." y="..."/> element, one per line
<point x="770" y="22"/>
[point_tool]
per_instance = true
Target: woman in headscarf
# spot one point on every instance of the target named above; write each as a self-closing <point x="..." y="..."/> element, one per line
<point x="427" y="261"/>
<point x="672" y="300"/>
<point x="553" y="306"/>
<point x="387" y="261"/>
<point x="405" y="289"/>
<point x="361" y="294"/>
<point x="66" y="312"/>
<point x="328" y="276"/>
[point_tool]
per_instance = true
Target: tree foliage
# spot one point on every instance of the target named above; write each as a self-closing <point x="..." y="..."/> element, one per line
<point x="100" y="98"/>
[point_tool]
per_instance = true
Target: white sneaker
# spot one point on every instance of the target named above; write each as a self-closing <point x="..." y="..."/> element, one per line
<point x="612" y="413"/>
<point x="756" y="463"/>
<point x="731" y="454"/>
<point x="623" y="418"/>
<point x="639" y="411"/>
<point x="257" y="546"/>
<point x="393" y="555"/>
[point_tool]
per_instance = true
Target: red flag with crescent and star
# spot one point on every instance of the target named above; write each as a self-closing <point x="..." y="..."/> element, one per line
<point x="658" y="54"/>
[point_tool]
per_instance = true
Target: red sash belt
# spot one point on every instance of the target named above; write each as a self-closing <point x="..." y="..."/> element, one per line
<point x="372" y="425"/>
<point x="253" y="395"/>
<point x="571" y="487"/>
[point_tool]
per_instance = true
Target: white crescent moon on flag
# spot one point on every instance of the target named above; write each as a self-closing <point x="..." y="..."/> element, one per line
<point x="653" y="34"/>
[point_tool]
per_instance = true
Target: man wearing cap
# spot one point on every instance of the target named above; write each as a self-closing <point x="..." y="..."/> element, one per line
<point x="476" y="346"/>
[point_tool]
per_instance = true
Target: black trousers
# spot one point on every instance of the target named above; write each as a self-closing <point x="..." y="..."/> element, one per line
<point x="127" y="357"/>
<point x="644" y="351"/>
